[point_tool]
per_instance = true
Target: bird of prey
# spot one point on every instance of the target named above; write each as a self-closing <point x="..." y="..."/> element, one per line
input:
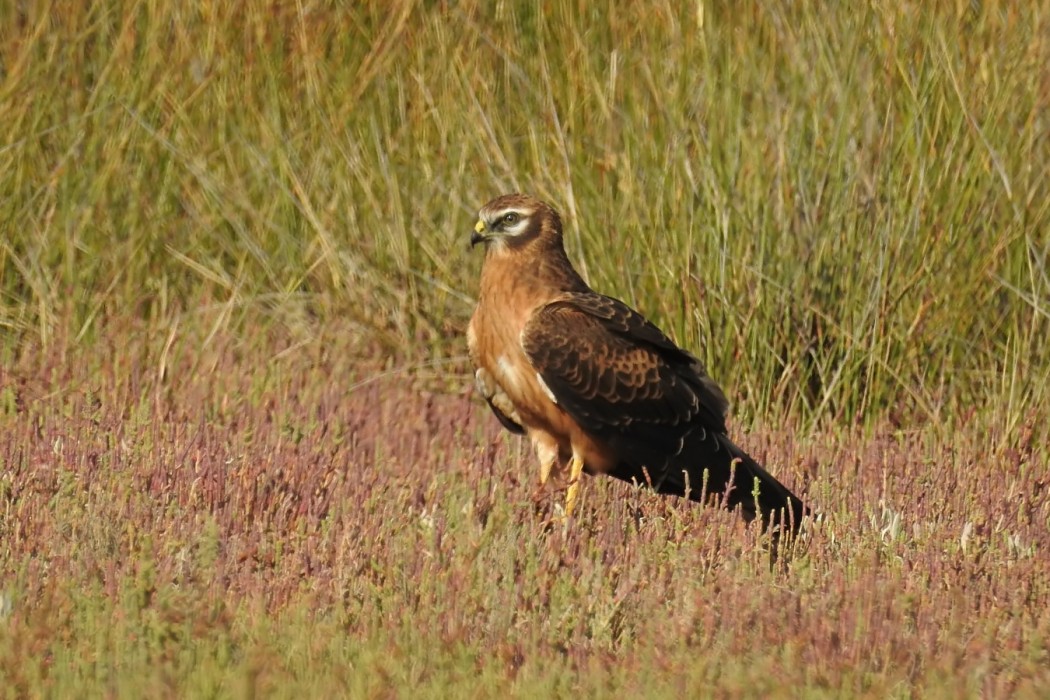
<point x="595" y="386"/>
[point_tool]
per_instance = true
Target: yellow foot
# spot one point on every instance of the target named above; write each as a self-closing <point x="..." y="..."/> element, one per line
<point x="575" y="473"/>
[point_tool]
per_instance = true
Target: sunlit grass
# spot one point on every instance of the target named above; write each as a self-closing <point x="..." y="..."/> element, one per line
<point x="222" y="224"/>
<point x="253" y="525"/>
<point x="843" y="209"/>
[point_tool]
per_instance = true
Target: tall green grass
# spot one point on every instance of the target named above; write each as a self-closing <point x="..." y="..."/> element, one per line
<point x="842" y="208"/>
<point x="226" y="230"/>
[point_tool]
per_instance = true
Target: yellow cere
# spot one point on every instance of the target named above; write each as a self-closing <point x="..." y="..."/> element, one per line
<point x="480" y="226"/>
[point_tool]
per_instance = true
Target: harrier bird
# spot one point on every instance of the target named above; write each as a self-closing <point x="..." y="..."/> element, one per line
<point x="595" y="386"/>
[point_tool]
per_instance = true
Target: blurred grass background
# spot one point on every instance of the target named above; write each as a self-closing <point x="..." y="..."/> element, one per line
<point x="237" y="453"/>
<point x="843" y="208"/>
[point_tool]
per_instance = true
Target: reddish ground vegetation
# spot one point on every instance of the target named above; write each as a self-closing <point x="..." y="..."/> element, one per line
<point x="252" y="486"/>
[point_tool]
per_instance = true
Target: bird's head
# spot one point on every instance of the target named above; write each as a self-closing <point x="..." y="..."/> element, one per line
<point x="512" y="221"/>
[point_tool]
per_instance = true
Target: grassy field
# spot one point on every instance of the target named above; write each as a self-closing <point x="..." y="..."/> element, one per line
<point x="239" y="454"/>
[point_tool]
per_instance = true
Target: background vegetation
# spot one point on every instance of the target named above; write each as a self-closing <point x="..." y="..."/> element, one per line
<point x="237" y="446"/>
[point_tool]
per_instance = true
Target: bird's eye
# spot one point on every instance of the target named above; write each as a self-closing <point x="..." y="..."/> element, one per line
<point x="511" y="218"/>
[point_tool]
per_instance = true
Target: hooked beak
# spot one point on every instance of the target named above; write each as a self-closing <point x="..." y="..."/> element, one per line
<point x="478" y="236"/>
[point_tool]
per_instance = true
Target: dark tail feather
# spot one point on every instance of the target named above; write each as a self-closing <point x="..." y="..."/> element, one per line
<point x="776" y="505"/>
<point x="707" y="469"/>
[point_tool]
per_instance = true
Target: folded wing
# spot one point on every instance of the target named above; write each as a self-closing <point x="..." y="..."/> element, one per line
<point x="628" y="385"/>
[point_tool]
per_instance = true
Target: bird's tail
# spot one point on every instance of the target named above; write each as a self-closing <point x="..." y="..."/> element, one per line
<point x="758" y="493"/>
<point x="712" y="465"/>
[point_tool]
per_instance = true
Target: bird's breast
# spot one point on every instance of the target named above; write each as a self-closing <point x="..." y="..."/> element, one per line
<point x="495" y="346"/>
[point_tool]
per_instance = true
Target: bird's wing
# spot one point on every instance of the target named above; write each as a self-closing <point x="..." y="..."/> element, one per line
<point x="626" y="383"/>
<point x="615" y="373"/>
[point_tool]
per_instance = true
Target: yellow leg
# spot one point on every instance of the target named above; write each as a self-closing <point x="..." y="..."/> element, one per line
<point x="547" y="455"/>
<point x="546" y="465"/>
<point x="575" y="474"/>
<point x="545" y="470"/>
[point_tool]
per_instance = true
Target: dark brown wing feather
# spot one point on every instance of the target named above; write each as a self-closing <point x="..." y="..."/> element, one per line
<point x="628" y="384"/>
